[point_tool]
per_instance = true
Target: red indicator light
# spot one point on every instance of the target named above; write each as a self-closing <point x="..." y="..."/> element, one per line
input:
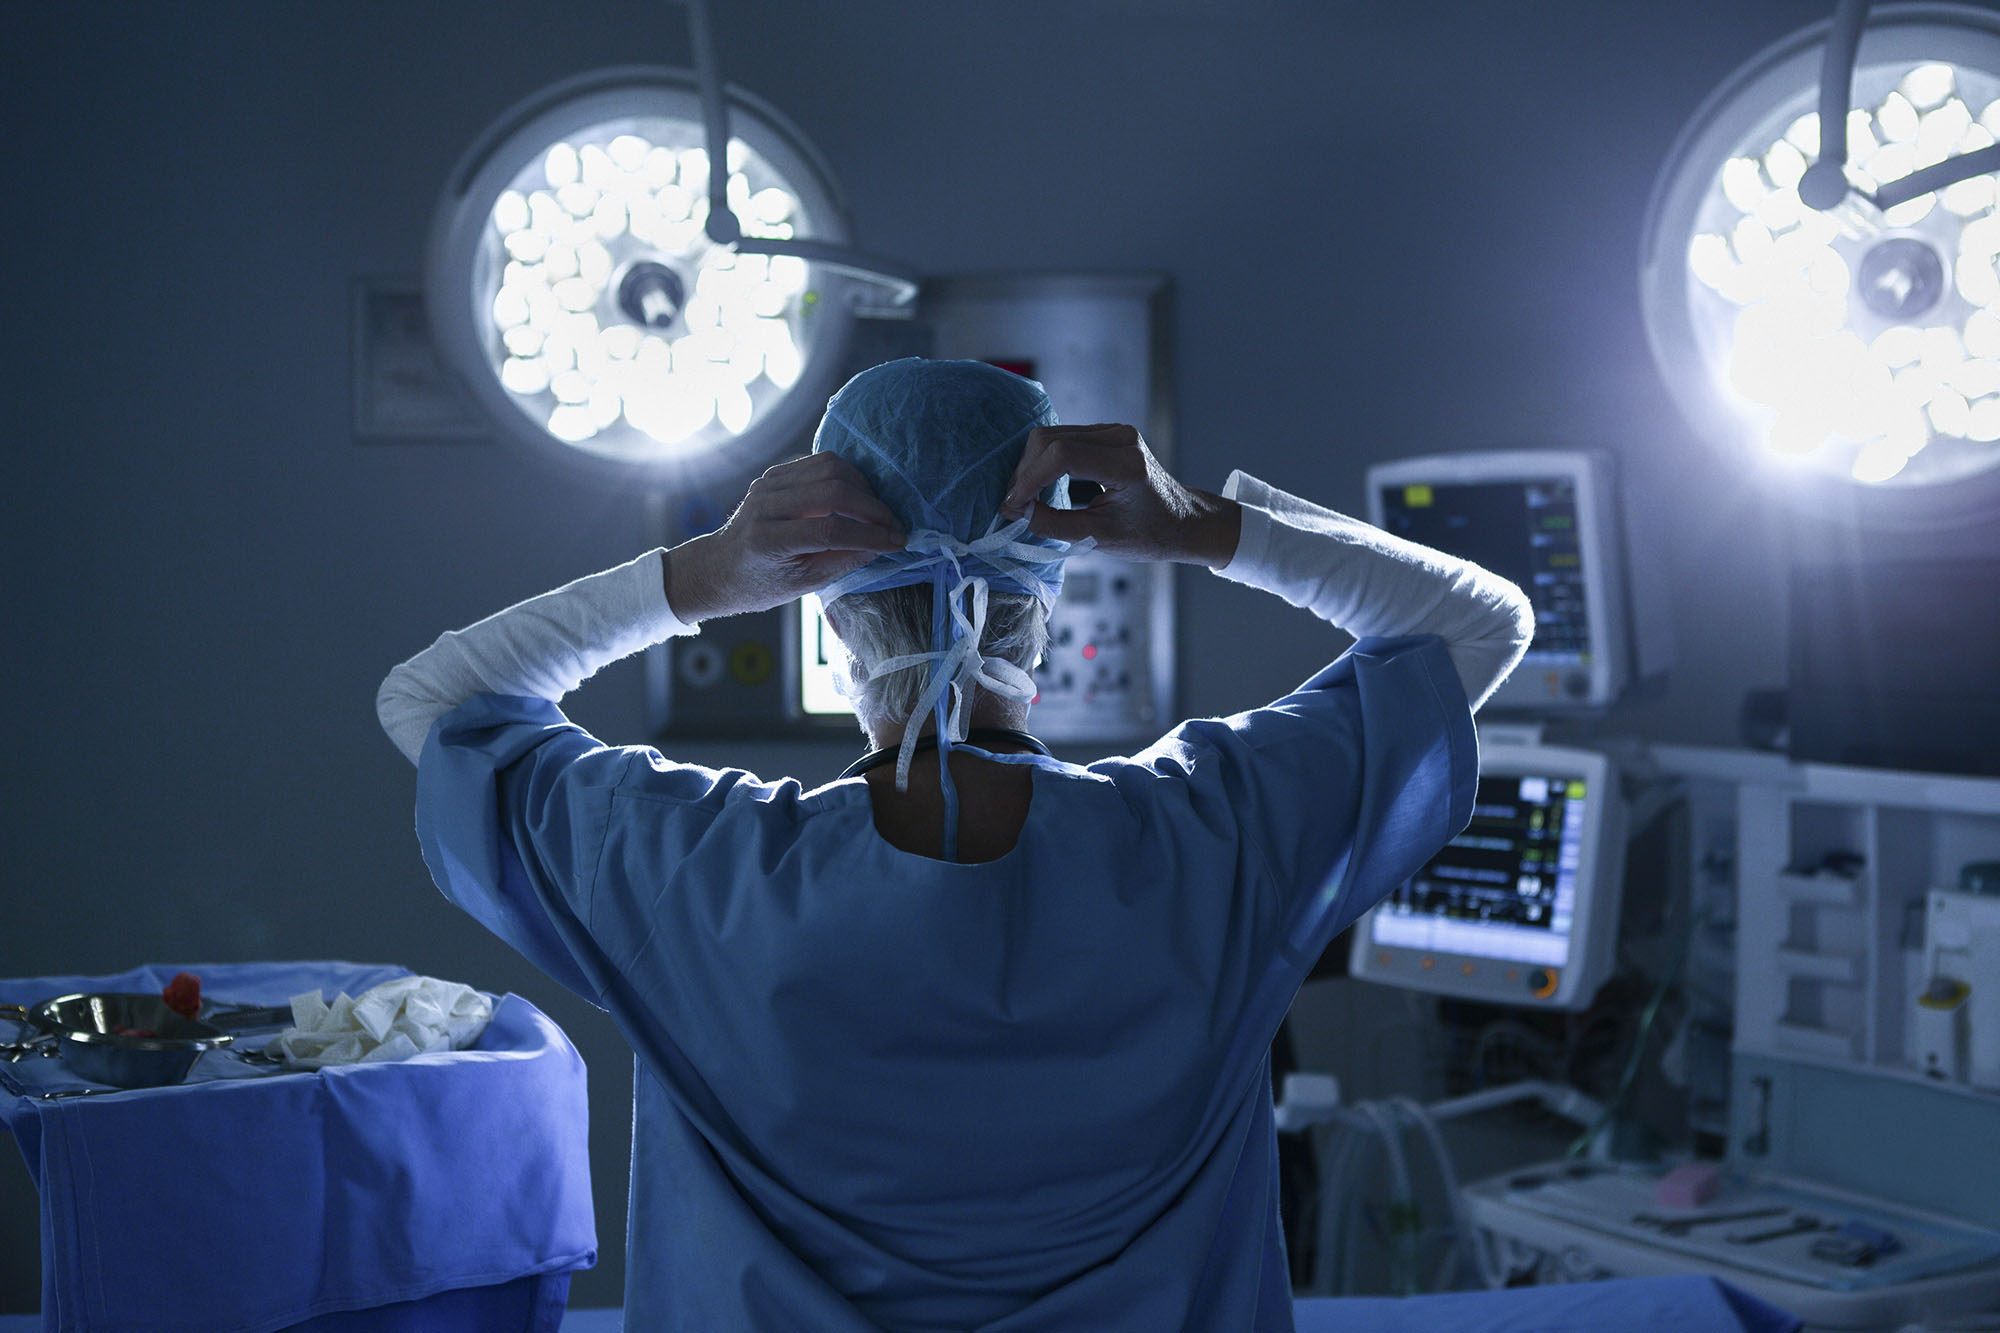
<point x="1090" y="652"/>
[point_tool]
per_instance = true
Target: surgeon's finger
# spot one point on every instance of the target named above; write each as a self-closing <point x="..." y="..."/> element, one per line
<point x="840" y="496"/>
<point x="814" y="472"/>
<point x="1039" y="467"/>
<point x="1106" y="453"/>
<point x="1092" y="447"/>
<point x="1029" y="473"/>
<point x="1065" y="525"/>
<point x="1114" y="441"/>
<point x="820" y="462"/>
<point x="827" y="496"/>
<point x="829" y="532"/>
<point x="820" y="568"/>
<point x="811" y="468"/>
<point x="1092" y="469"/>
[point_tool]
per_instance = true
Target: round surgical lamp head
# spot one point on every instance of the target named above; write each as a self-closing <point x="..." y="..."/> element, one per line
<point x="1851" y="352"/>
<point x="572" y="283"/>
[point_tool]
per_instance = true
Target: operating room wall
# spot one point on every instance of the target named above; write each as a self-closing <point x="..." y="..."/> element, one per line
<point x="1390" y="229"/>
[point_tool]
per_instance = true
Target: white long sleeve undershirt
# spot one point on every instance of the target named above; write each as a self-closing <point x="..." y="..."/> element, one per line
<point x="541" y="648"/>
<point x="1361" y="579"/>
<point x="1356" y="577"/>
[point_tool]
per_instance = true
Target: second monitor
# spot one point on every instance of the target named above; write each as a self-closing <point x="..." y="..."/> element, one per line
<point x="1522" y="907"/>
<point x="1548" y="522"/>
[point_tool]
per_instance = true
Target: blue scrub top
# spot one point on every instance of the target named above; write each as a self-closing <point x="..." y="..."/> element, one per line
<point x="878" y="1091"/>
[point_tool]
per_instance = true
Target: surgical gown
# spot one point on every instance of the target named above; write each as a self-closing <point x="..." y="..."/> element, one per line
<point x="879" y="1091"/>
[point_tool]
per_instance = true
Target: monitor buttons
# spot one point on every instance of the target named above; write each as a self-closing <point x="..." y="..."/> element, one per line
<point x="1542" y="982"/>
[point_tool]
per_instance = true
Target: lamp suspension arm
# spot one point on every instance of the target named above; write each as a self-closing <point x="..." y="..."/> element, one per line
<point x="1825" y="183"/>
<point x="900" y="283"/>
<point x="1938" y="175"/>
<point x="724" y="228"/>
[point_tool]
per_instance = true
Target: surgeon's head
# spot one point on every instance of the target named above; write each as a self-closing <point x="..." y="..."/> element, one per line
<point x="939" y="441"/>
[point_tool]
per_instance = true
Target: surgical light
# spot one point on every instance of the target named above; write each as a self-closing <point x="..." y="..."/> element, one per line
<point x="1834" y="310"/>
<point x="602" y="291"/>
<point x="574" y="287"/>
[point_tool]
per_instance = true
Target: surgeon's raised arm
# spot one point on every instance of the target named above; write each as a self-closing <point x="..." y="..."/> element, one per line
<point x="802" y="524"/>
<point x="540" y="649"/>
<point x="1348" y="573"/>
<point x="1361" y="579"/>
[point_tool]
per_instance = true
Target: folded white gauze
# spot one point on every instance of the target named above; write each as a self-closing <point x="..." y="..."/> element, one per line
<point x="393" y="1021"/>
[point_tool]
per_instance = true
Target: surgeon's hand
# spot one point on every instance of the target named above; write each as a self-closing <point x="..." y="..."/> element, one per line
<point x="1142" y="512"/>
<point x="802" y="525"/>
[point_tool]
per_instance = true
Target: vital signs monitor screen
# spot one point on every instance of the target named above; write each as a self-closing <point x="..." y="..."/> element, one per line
<point x="1524" y="531"/>
<point x="1506" y="888"/>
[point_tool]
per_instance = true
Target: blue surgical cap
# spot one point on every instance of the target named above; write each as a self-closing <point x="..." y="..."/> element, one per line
<point x="939" y="441"/>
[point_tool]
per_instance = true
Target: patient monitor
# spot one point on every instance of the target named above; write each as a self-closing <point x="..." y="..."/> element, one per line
<point x="1522" y="907"/>
<point x="1548" y="521"/>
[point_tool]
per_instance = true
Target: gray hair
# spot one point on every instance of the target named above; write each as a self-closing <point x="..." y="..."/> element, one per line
<point x="892" y="622"/>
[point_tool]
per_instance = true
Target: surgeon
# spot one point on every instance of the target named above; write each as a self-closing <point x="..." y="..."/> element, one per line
<point x="972" y="1037"/>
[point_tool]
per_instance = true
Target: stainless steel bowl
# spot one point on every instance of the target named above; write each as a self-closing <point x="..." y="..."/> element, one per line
<point x="86" y="1029"/>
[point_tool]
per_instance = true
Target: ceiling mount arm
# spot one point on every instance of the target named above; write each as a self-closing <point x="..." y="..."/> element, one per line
<point x="722" y="226"/>
<point x="899" y="284"/>
<point x="1938" y="175"/>
<point x="1825" y="184"/>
